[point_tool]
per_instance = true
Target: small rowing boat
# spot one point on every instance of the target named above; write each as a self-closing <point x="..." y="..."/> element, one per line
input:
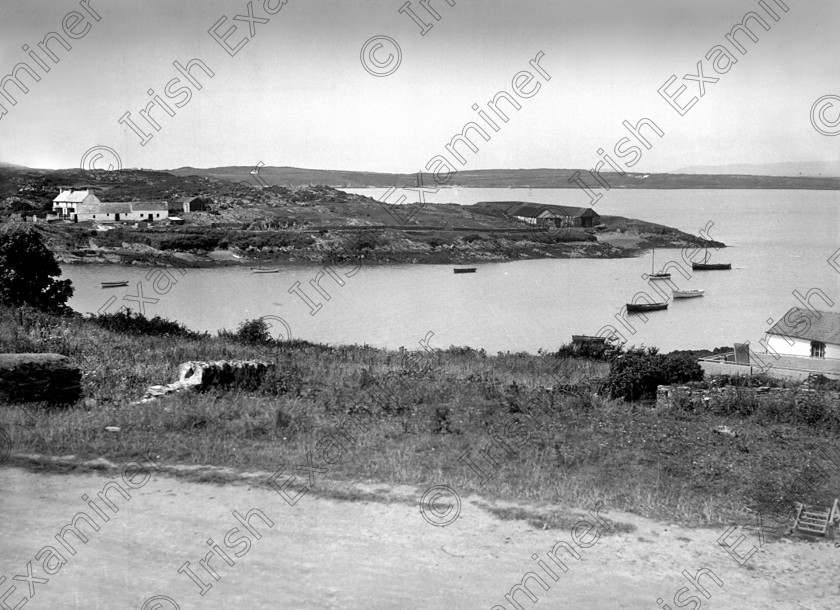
<point x="688" y="294"/>
<point x="263" y="270"/>
<point x="644" y="307"/>
<point x="711" y="266"/>
<point x="707" y="266"/>
<point x="114" y="284"/>
<point x="465" y="270"/>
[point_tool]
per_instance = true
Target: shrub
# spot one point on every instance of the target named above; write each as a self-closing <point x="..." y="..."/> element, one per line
<point x="250" y="332"/>
<point x="185" y="242"/>
<point x="590" y="350"/>
<point x="130" y="323"/>
<point x="28" y="270"/>
<point x="637" y="373"/>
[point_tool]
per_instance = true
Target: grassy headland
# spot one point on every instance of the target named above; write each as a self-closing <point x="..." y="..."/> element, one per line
<point x="570" y="444"/>
<point x="307" y="224"/>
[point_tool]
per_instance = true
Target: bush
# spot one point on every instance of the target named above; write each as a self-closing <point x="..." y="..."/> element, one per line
<point x="131" y="323"/>
<point x="250" y="332"/>
<point x="637" y="373"/>
<point x="271" y="240"/>
<point x="27" y="272"/>
<point x="185" y="242"/>
<point x="590" y="350"/>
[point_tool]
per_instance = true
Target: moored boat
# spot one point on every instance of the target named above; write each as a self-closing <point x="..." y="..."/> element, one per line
<point x="688" y="294"/>
<point x="707" y="266"/>
<point x="588" y="339"/>
<point x="114" y="284"/>
<point x="263" y="270"/>
<point x="711" y="266"/>
<point x="465" y="270"/>
<point x="644" y="307"/>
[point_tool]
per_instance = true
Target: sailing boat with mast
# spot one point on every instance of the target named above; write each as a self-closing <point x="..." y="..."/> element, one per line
<point x="656" y="276"/>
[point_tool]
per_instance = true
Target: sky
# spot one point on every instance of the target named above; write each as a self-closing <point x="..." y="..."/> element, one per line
<point x="297" y="92"/>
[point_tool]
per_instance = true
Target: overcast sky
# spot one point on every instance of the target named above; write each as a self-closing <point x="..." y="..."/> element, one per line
<point x="297" y="94"/>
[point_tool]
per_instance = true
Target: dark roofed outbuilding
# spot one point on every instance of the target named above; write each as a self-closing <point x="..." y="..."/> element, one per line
<point x="534" y="213"/>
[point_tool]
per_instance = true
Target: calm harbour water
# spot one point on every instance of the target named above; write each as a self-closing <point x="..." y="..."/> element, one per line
<point x="780" y="242"/>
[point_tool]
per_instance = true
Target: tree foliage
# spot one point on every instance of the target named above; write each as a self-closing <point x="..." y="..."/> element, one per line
<point x="637" y="373"/>
<point x="28" y="271"/>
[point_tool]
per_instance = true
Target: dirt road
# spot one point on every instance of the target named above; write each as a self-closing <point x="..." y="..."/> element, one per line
<point x="325" y="553"/>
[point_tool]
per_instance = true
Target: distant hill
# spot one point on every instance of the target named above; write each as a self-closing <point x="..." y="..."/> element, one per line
<point x="507" y="178"/>
<point x="812" y="169"/>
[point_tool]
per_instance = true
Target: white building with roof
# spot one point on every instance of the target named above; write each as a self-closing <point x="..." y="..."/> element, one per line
<point x="805" y="333"/>
<point x="103" y="211"/>
<point x="68" y="200"/>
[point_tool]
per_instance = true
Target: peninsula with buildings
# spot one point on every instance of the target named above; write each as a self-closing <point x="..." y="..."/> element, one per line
<point x="159" y="218"/>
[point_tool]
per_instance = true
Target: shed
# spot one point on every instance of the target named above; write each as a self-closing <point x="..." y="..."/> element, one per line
<point x="538" y="213"/>
<point x="192" y="204"/>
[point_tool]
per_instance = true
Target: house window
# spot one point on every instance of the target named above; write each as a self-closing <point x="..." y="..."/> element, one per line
<point x="158" y="215"/>
<point x="94" y="215"/>
<point x="817" y="349"/>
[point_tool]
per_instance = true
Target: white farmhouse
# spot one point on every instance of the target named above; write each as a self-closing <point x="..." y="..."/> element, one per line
<point x="66" y="203"/>
<point x="806" y="333"/>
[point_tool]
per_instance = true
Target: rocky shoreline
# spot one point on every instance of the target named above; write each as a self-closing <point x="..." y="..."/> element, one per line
<point x="391" y="247"/>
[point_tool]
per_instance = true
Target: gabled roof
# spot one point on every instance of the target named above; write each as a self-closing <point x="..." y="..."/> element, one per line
<point x="71" y="196"/>
<point x="151" y="206"/>
<point x="119" y="207"/>
<point x="111" y="208"/>
<point x="576" y="212"/>
<point x="825" y="328"/>
<point x="534" y="210"/>
<point x="530" y="210"/>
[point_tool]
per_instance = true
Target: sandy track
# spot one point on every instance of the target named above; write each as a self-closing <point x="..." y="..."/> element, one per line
<point x="323" y="553"/>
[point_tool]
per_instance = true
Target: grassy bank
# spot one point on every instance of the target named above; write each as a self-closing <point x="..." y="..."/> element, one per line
<point x="567" y="445"/>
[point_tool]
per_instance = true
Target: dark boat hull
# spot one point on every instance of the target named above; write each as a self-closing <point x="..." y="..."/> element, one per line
<point x="114" y="284"/>
<point x="711" y="266"/>
<point x="644" y="307"/>
<point x="468" y="270"/>
<point x="588" y="339"/>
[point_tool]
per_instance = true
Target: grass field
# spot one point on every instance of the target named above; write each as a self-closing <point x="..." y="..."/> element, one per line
<point x="548" y="443"/>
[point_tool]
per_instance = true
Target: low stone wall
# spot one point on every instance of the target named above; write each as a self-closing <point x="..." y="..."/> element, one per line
<point x="39" y="377"/>
<point x="669" y="396"/>
<point x="197" y="375"/>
